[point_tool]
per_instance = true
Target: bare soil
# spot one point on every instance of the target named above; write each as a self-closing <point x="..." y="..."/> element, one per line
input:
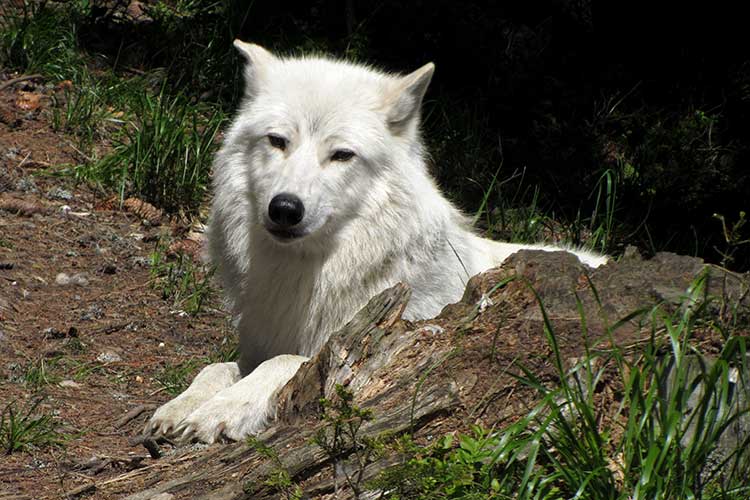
<point x="103" y="337"/>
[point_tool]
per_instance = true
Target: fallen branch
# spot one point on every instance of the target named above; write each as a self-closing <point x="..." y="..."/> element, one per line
<point x="21" y="207"/>
<point x="149" y="443"/>
<point x="134" y="413"/>
<point x="13" y="81"/>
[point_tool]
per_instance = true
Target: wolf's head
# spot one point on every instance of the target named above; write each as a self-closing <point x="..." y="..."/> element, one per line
<point x="318" y="140"/>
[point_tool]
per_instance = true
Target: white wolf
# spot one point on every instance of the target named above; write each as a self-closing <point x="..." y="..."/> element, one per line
<point x="322" y="199"/>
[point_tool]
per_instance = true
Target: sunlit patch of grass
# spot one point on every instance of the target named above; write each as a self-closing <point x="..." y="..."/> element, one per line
<point x="186" y="284"/>
<point x="175" y="378"/>
<point x="164" y="155"/>
<point x="26" y="427"/>
<point x="39" y="373"/>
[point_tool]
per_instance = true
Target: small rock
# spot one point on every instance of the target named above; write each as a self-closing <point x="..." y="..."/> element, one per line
<point x="93" y="312"/>
<point x="63" y="279"/>
<point x="58" y="193"/>
<point x="108" y="357"/>
<point x="29" y="101"/>
<point x="137" y="12"/>
<point x="69" y="383"/>
<point x="142" y="261"/>
<point x="109" y="268"/>
<point x="12" y="153"/>
<point x="433" y="329"/>
<point x="53" y="333"/>
<point x="27" y="185"/>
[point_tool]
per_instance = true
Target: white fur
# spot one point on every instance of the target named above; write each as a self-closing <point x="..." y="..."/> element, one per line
<point x="370" y="222"/>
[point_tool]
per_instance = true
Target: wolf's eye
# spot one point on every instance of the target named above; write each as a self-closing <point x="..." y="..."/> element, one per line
<point x="342" y="155"/>
<point x="277" y="141"/>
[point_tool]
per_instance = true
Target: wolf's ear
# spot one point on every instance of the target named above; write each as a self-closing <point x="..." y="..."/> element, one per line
<point x="257" y="60"/>
<point x="405" y="99"/>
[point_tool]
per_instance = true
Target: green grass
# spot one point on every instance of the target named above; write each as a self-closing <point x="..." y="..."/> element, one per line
<point x="26" y="428"/>
<point x="660" y="442"/>
<point x="162" y="141"/>
<point x="39" y="373"/>
<point x="163" y="155"/>
<point x="186" y="284"/>
<point x="176" y="378"/>
<point x="40" y="38"/>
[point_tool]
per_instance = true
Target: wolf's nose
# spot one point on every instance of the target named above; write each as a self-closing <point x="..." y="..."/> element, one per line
<point x="286" y="210"/>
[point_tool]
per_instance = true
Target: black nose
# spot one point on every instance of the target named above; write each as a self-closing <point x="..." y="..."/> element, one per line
<point x="286" y="210"/>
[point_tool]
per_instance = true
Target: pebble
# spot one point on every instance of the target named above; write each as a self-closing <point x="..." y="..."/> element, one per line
<point x="108" y="357"/>
<point x="27" y="185"/>
<point x="141" y="261"/>
<point x="69" y="383"/>
<point x="109" y="268"/>
<point x="63" y="279"/>
<point x="58" y="193"/>
<point x="93" y="312"/>
<point x="433" y="329"/>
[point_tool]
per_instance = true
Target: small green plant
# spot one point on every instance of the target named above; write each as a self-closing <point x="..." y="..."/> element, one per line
<point x="279" y="479"/>
<point x="227" y="350"/>
<point x="603" y="223"/>
<point x="22" y="429"/>
<point x="176" y="378"/>
<point x="733" y="237"/>
<point x="465" y="468"/>
<point x="38" y="373"/>
<point x="81" y="113"/>
<point x="80" y="370"/>
<point x="349" y="450"/>
<point x="181" y="281"/>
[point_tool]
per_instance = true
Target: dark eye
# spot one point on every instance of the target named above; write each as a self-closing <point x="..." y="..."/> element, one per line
<point x="277" y="141"/>
<point x="342" y="155"/>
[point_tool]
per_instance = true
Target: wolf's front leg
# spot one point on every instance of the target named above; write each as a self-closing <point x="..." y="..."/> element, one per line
<point x="206" y="385"/>
<point x="244" y="408"/>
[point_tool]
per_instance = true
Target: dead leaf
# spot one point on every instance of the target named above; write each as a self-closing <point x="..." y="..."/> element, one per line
<point x="29" y="101"/>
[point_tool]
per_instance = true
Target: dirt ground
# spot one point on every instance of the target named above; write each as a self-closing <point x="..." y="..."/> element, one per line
<point x="90" y="346"/>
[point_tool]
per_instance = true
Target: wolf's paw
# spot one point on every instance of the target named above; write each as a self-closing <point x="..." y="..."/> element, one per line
<point x="206" y="384"/>
<point x="166" y="419"/>
<point x="244" y="408"/>
<point x="223" y="417"/>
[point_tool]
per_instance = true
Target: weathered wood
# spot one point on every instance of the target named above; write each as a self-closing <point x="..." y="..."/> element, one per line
<point x="347" y="352"/>
<point x="365" y="349"/>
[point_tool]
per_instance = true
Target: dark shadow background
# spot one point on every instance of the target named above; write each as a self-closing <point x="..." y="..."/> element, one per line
<point x="547" y="94"/>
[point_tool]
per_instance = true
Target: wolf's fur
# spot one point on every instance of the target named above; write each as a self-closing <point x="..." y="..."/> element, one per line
<point x="370" y="222"/>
